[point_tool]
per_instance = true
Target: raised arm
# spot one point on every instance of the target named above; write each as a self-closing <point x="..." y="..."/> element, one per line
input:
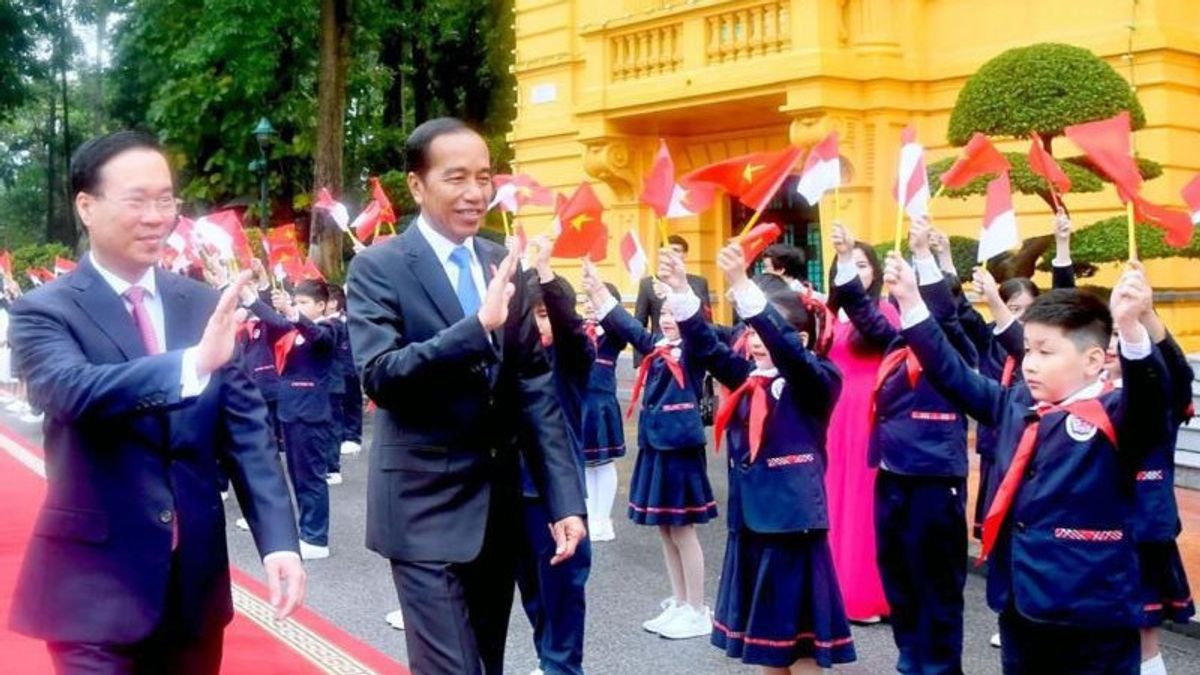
<point x="1062" y="270"/>
<point x="1146" y="396"/>
<point x="859" y="306"/>
<point x="613" y="316"/>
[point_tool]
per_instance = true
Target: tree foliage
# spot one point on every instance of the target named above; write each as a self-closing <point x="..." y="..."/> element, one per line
<point x="1107" y="241"/>
<point x="1083" y="174"/>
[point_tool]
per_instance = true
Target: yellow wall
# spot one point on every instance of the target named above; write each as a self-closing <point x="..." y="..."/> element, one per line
<point x="600" y="82"/>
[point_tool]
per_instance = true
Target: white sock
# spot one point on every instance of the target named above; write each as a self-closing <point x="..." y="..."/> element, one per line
<point x="1154" y="666"/>
<point x="589" y="475"/>
<point x="606" y="489"/>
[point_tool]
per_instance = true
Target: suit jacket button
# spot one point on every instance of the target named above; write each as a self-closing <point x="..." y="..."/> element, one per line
<point x="165" y="516"/>
<point x="1020" y="527"/>
<point x="493" y="453"/>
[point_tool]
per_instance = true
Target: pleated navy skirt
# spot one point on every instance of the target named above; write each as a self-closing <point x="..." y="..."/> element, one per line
<point x="670" y="487"/>
<point x="1164" y="592"/>
<point x="603" y="430"/>
<point x="779" y="601"/>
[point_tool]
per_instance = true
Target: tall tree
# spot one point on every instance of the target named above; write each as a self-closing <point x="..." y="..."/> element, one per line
<point x="325" y="240"/>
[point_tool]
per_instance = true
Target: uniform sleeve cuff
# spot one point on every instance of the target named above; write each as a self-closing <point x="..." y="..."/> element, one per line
<point x="683" y="306"/>
<point x="749" y="299"/>
<point x="846" y="272"/>
<point x="607" y="306"/>
<point x="281" y="554"/>
<point x="914" y="315"/>
<point x="998" y="329"/>
<point x="928" y="272"/>
<point x="191" y="383"/>
<point x="1139" y="347"/>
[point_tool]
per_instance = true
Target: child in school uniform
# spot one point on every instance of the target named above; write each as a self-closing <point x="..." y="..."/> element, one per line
<point x="303" y="346"/>
<point x="603" y="428"/>
<point x="348" y="406"/>
<point x="669" y="488"/>
<point x="337" y="385"/>
<point x="779" y="606"/>
<point x="1063" y="567"/>
<point x="919" y="442"/>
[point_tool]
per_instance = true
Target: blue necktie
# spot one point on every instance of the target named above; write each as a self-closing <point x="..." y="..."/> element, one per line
<point x="468" y="294"/>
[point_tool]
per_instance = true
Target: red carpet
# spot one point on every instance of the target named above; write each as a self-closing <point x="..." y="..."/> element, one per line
<point x="254" y="643"/>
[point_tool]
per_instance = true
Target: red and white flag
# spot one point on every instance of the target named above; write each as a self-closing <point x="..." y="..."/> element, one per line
<point x="999" y="232"/>
<point x="39" y="275"/>
<point x="822" y="170"/>
<point x="1191" y="195"/>
<point x="367" y="223"/>
<point x="222" y="233"/>
<point x="667" y="197"/>
<point x="979" y="158"/>
<point x="179" y="252"/>
<point x="515" y="191"/>
<point x="912" y="183"/>
<point x="63" y="266"/>
<point x="633" y="255"/>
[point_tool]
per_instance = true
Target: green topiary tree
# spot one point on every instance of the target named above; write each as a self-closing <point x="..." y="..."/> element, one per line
<point x="1107" y="241"/>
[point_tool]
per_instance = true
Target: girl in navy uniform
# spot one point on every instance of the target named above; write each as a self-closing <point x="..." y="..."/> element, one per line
<point x="670" y="487"/>
<point x="603" y="430"/>
<point x="779" y="606"/>
<point x="1063" y="562"/>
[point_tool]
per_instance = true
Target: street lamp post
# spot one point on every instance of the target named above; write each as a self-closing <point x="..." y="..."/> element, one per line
<point x="263" y="133"/>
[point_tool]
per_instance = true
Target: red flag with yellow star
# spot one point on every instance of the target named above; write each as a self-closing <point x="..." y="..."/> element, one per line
<point x="753" y="179"/>
<point x="578" y="224"/>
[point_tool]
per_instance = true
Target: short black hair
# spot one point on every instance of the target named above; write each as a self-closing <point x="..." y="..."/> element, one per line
<point x="91" y="157"/>
<point x="791" y="260"/>
<point x="416" y="146"/>
<point x="313" y="288"/>
<point x="336" y="294"/>
<point x="1083" y="316"/>
<point x="1015" y="286"/>
<point x="676" y="240"/>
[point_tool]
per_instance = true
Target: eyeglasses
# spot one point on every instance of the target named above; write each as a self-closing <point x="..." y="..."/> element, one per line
<point x="166" y="205"/>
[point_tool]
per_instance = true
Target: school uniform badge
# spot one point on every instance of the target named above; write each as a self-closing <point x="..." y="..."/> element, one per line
<point x="777" y="387"/>
<point x="1080" y="429"/>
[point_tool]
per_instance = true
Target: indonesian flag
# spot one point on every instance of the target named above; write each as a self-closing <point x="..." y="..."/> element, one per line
<point x="1042" y="163"/>
<point x="180" y="251"/>
<point x="386" y="214"/>
<point x="822" y="170"/>
<point x="753" y="179"/>
<point x="578" y="224"/>
<point x="367" y="223"/>
<point x="999" y="232"/>
<point x="1191" y="195"/>
<point x="6" y="264"/>
<point x="63" y="266"/>
<point x="633" y="255"/>
<point x="39" y="275"/>
<point x="757" y="240"/>
<point x="668" y="198"/>
<point x="337" y="213"/>
<point x="912" y="184"/>
<point x="222" y="233"/>
<point x="1107" y="144"/>
<point x="980" y="158"/>
<point x="515" y="191"/>
<point x="1176" y="225"/>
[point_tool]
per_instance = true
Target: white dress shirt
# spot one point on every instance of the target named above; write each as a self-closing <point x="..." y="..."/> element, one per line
<point x="443" y="247"/>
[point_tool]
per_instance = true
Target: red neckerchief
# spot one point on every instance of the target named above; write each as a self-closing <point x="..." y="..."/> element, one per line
<point x="890" y="363"/>
<point x="1010" y="368"/>
<point x="283" y="347"/>
<point x="757" y="386"/>
<point x="662" y="352"/>
<point x="1090" y="410"/>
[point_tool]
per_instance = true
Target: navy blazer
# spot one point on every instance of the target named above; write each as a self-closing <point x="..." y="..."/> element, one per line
<point x="917" y="431"/>
<point x="451" y="400"/>
<point x="258" y="357"/>
<point x="670" y="415"/>
<point x="127" y="457"/>
<point x="307" y="377"/>
<point x="1066" y="554"/>
<point x="783" y="490"/>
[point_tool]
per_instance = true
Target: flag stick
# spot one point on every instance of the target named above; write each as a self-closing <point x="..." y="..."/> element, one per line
<point x="507" y="223"/>
<point x="749" y="224"/>
<point x="899" y="228"/>
<point x="392" y="228"/>
<point x="941" y="189"/>
<point x="662" y="230"/>
<point x="837" y="197"/>
<point x="1132" y="235"/>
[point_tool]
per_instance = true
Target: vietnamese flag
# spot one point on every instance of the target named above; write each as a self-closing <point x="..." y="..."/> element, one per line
<point x="753" y="179"/>
<point x="1191" y="195"/>
<point x="758" y="239"/>
<point x="311" y="271"/>
<point x="6" y="264"/>
<point x="1176" y="225"/>
<point x="1043" y="164"/>
<point x="578" y="224"/>
<point x="282" y="236"/>
<point x="1107" y="144"/>
<point x="980" y="158"/>
<point x="386" y="214"/>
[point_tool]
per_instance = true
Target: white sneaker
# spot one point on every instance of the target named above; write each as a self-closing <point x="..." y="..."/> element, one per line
<point x="688" y="622"/>
<point x="668" y="613"/>
<point x="995" y="641"/>
<point x="225" y="496"/>
<point x="536" y="671"/>
<point x="603" y="531"/>
<point x="313" y="552"/>
<point x="242" y="525"/>
<point x="15" y="407"/>
<point x="395" y="619"/>
<point x="351" y="448"/>
<point x="334" y="478"/>
<point x="32" y="417"/>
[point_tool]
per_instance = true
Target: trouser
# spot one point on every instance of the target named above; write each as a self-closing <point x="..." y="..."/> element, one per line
<point x="456" y="614"/>
<point x="553" y="595"/>
<point x="333" y="457"/>
<point x="306" y="445"/>
<point x="921" y="537"/>
<point x="352" y="410"/>
<point x="1031" y="648"/>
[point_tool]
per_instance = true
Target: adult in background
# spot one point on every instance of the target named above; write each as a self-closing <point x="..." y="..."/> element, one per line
<point x="649" y="302"/>
<point x="448" y="350"/>
<point x="787" y="262"/>
<point x="127" y="570"/>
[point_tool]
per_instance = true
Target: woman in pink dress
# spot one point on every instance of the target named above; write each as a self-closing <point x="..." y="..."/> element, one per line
<point x="850" y="483"/>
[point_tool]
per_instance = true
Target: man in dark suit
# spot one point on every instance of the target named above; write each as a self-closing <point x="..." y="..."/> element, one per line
<point x="649" y="304"/>
<point x="127" y="570"/>
<point x="448" y="350"/>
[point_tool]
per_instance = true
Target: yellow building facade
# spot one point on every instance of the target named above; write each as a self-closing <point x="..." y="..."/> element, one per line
<point x="600" y="82"/>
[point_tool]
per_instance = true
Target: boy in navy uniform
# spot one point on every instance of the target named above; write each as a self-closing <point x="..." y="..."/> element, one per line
<point x="350" y="403"/>
<point x="1063" y="572"/>
<point x="919" y="443"/>
<point x="303" y="344"/>
<point x="553" y="595"/>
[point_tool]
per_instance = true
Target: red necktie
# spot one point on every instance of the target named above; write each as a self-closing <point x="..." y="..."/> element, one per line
<point x="1089" y="410"/>
<point x="890" y="363"/>
<point x="1010" y="368"/>
<point x="757" y="386"/>
<point x="136" y="296"/>
<point x="283" y="347"/>
<point x="664" y="353"/>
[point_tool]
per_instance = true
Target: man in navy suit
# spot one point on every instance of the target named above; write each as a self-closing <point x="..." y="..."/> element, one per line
<point x="448" y="350"/>
<point x="127" y="570"/>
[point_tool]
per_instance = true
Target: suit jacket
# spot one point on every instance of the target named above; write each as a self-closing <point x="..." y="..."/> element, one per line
<point x="649" y="305"/>
<point x="127" y="458"/>
<point x="451" y="400"/>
